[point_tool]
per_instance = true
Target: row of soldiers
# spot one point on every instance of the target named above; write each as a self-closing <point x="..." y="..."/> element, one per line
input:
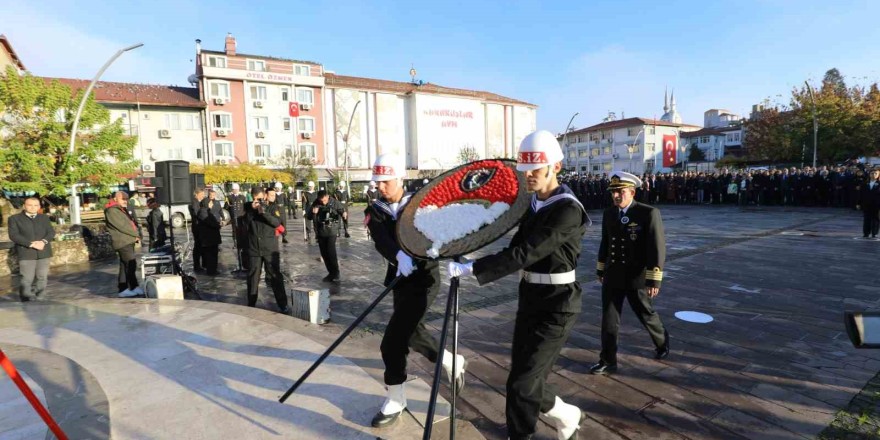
<point x="822" y="186"/>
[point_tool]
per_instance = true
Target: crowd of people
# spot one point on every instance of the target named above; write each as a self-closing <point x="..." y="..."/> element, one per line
<point x="822" y="187"/>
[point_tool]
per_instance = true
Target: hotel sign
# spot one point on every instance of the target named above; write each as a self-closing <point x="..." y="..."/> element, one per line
<point x="265" y="77"/>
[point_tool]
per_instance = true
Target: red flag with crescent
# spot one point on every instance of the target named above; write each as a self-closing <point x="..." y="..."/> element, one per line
<point x="670" y="146"/>
<point x="293" y="109"/>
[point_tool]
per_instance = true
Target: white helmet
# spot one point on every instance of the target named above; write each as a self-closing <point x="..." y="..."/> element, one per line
<point x="278" y="185"/>
<point x="425" y="181"/>
<point x="538" y="150"/>
<point x="341" y="185"/>
<point x="235" y="186"/>
<point x="389" y="166"/>
<point x="373" y="183"/>
<point x="311" y="184"/>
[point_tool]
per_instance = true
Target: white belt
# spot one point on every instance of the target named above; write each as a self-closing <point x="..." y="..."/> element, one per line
<point x="548" y="278"/>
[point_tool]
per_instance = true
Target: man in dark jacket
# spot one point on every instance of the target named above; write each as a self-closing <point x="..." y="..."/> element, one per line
<point x="630" y="263"/>
<point x="195" y="225"/>
<point x="261" y="226"/>
<point x="124" y="236"/>
<point x="156" y="225"/>
<point x="282" y="202"/>
<point x="210" y="217"/>
<point x="869" y="202"/>
<point x="326" y="213"/>
<point x="343" y="198"/>
<point x="32" y="234"/>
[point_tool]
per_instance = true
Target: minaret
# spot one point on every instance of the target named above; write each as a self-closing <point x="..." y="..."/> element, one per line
<point x="666" y="100"/>
<point x="672" y="102"/>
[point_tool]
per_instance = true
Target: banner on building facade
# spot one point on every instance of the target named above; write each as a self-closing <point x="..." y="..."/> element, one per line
<point x="670" y="146"/>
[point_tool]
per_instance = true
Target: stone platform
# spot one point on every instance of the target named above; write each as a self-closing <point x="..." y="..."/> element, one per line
<point x="140" y="368"/>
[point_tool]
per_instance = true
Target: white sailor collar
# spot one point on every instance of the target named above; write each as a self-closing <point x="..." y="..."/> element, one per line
<point x="384" y="206"/>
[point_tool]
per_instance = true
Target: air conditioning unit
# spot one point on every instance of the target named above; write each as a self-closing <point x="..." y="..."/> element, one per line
<point x="222" y="133"/>
<point x="307" y="135"/>
<point x="261" y="134"/>
<point x="258" y="104"/>
<point x="219" y="101"/>
<point x="166" y="134"/>
<point x="260" y="161"/>
<point x="147" y="167"/>
<point x="221" y="161"/>
<point x="305" y="106"/>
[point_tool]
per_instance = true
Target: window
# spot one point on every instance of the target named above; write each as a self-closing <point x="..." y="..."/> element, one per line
<point x="633" y="131"/>
<point x="285" y="122"/>
<point x="285" y="94"/>
<point x="583" y="168"/>
<point x="635" y="148"/>
<point x="704" y="139"/>
<point x="192" y="122"/>
<point x="606" y="150"/>
<point x="650" y="130"/>
<point x="305" y="96"/>
<point x="175" y="153"/>
<point x="257" y="65"/>
<point x="172" y="121"/>
<point x="307" y="151"/>
<point x="223" y="149"/>
<point x="219" y="90"/>
<point x="303" y="70"/>
<point x="223" y="120"/>
<point x="606" y="166"/>
<point x="260" y="122"/>
<point x="649" y="147"/>
<point x="582" y="153"/>
<point x="306" y="125"/>
<point x="594" y="136"/>
<point x="262" y="150"/>
<point x="594" y="152"/>
<point x="288" y="150"/>
<point x="199" y="153"/>
<point x="214" y="61"/>
<point x="603" y="135"/>
<point x="258" y="92"/>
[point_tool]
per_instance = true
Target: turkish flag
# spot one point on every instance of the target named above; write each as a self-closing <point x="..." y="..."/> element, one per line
<point x="293" y="108"/>
<point x="670" y="146"/>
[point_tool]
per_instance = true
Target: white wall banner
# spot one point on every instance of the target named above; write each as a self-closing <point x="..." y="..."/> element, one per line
<point x="447" y="127"/>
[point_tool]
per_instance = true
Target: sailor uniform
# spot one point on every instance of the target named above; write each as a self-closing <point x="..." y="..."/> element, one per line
<point x="413" y="295"/>
<point x="546" y="247"/>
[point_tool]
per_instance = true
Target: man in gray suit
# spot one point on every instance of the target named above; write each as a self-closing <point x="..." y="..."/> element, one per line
<point x="32" y="234"/>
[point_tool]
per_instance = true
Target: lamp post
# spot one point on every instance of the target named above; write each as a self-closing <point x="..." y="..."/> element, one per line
<point x="815" y="123"/>
<point x="74" y="200"/>
<point x="345" y="139"/>
<point x="577" y="163"/>
<point x="683" y="149"/>
<point x="631" y="148"/>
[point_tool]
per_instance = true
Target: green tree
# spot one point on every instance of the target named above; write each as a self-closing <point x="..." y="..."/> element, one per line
<point x="467" y="154"/>
<point x="35" y="136"/>
<point x="696" y="154"/>
<point x="768" y="137"/>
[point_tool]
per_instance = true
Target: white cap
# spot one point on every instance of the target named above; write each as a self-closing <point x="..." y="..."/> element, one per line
<point x="235" y="186"/>
<point x="278" y="185"/>
<point x="538" y="150"/>
<point x="341" y="185"/>
<point x="622" y="179"/>
<point x="311" y="184"/>
<point x="389" y="166"/>
<point x="373" y="183"/>
<point x="425" y="181"/>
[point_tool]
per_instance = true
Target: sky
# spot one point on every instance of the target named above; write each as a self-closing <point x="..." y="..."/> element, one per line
<point x="586" y="57"/>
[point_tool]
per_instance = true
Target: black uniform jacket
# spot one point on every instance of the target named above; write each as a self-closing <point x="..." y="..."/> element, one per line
<point x="343" y="198"/>
<point x="382" y="223"/>
<point x="632" y="255"/>
<point x="548" y="241"/>
<point x="235" y="205"/>
<point x="209" y="223"/>
<point x="869" y="199"/>
<point x="260" y="235"/>
<point x="156" y="225"/>
<point x="23" y="231"/>
<point x="327" y="218"/>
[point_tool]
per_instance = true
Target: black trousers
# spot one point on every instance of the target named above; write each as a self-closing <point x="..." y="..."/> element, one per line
<point x="327" y="245"/>
<point x="612" y="305"/>
<point x="538" y="337"/>
<point x="871" y="223"/>
<point x="209" y="258"/>
<point x="198" y="264"/>
<point x="273" y="275"/>
<point x="127" y="267"/>
<point x="405" y="330"/>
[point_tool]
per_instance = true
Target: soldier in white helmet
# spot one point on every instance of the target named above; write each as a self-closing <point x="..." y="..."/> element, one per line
<point x="372" y="192"/>
<point x="308" y="199"/>
<point x="413" y="295"/>
<point x="546" y="248"/>
<point x="282" y="202"/>
<point x="343" y="198"/>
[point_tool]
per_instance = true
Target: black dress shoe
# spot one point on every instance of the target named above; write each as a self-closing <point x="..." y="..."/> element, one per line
<point x="287" y="310"/>
<point x="347" y="235"/>
<point x="603" y="368"/>
<point x="663" y="351"/>
<point x="383" y="420"/>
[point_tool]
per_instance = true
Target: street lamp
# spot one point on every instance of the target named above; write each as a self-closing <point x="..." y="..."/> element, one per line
<point x="815" y="123"/>
<point x="74" y="200"/>
<point x="345" y="139"/>
<point x="565" y="142"/>
<point x="683" y="149"/>
<point x="631" y="148"/>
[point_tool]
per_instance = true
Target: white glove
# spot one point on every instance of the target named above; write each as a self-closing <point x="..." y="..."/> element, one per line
<point x="404" y="264"/>
<point x="460" y="269"/>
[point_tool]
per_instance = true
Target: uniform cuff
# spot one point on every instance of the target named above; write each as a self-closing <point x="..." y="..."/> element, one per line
<point x="654" y="274"/>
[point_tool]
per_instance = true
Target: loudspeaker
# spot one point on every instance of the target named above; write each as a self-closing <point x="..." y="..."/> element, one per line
<point x="174" y="178"/>
<point x="197" y="181"/>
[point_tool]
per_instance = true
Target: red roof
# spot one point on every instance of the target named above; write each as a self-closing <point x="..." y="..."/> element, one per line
<point x="334" y="80"/>
<point x="144" y="94"/>
<point x="628" y="122"/>
<point x="8" y="46"/>
<point x="710" y="131"/>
